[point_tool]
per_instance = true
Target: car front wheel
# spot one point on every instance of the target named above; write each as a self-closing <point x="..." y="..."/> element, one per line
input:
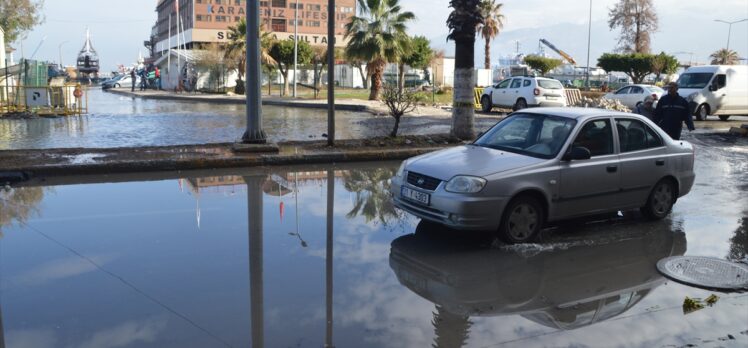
<point x="116" y="85"/>
<point x="485" y="104"/>
<point x="702" y="112"/>
<point x="660" y="201"/>
<point x="520" y="104"/>
<point x="522" y="220"/>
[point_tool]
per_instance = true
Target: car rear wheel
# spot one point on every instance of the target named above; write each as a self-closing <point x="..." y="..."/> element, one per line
<point x="522" y="220"/>
<point x="702" y="112"/>
<point x="520" y="104"/>
<point x="485" y="104"/>
<point x="116" y="85"/>
<point x="660" y="201"/>
<point x="724" y="117"/>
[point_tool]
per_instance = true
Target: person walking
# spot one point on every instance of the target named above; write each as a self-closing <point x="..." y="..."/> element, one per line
<point x="672" y="110"/>
<point x="647" y="108"/>
<point x="143" y="79"/>
<point x="133" y="78"/>
<point x="158" y="77"/>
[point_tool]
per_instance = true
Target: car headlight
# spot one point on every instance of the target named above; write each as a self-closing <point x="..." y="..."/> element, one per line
<point x="692" y="96"/>
<point x="465" y="184"/>
<point x="401" y="170"/>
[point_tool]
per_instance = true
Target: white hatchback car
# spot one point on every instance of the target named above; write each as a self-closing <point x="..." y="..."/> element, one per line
<point x="523" y="91"/>
<point x="547" y="164"/>
<point x="633" y="95"/>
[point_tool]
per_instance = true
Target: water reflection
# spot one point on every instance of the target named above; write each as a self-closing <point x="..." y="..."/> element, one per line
<point x="18" y="204"/>
<point x="739" y="240"/>
<point x="373" y="200"/>
<point x="565" y="284"/>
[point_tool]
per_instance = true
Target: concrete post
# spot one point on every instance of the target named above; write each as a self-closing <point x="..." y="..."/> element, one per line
<point x="330" y="72"/>
<point x="254" y="133"/>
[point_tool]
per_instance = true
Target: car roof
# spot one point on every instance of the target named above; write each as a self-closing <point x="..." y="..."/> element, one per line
<point x="576" y="113"/>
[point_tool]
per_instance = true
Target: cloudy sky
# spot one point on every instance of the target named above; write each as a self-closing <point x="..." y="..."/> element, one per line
<point x="119" y="28"/>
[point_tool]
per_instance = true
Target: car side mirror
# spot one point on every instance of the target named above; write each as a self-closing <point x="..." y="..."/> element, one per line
<point x="577" y="153"/>
<point x="712" y="88"/>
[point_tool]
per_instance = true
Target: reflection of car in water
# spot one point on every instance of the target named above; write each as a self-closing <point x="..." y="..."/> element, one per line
<point x="567" y="287"/>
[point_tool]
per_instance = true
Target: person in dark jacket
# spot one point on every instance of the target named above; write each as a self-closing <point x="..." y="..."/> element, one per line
<point x="672" y="110"/>
<point x="133" y="79"/>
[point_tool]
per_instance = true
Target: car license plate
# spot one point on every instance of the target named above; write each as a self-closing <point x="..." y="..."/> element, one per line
<point x="415" y="195"/>
<point x="551" y="97"/>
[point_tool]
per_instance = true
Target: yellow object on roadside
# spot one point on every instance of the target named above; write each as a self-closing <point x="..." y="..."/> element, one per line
<point x="691" y="305"/>
<point x="711" y="300"/>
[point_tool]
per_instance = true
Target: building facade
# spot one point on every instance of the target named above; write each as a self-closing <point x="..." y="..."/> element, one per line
<point x="208" y="21"/>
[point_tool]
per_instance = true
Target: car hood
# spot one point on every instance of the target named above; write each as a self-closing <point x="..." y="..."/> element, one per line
<point x="468" y="160"/>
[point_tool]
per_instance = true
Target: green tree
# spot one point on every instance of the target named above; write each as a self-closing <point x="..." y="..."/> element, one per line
<point x="664" y="64"/>
<point x="739" y="241"/>
<point x="542" y="64"/>
<point x="637" y="20"/>
<point x="418" y="56"/>
<point x="319" y="63"/>
<point x="236" y="49"/>
<point x="18" y="204"/>
<point x="377" y="36"/>
<point x="450" y="330"/>
<point x="635" y="65"/>
<point x="19" y="16"/>
<point x="493" y="22"/>
<point x="462" y="23"/>
<point x="282" y="52"/>
<point x="724" y="56"/>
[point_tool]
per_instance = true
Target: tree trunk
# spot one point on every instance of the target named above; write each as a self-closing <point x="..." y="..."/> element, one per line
<point x="400" y="77"/>
<point x="463" y="108"/>
<point x="487" y="62"/>
<point x="285" y="82"/>
<point x="376" y="79"/>
<point x="397" y="125"/>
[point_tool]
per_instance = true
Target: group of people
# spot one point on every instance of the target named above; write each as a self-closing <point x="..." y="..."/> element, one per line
<point x="670" y="113"/>
<point x="150" y="77"/>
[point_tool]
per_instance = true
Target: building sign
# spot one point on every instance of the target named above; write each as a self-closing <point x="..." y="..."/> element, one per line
<point x="312" y="39"/>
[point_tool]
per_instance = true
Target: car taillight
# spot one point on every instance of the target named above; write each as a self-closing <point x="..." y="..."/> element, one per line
<point x="536" y="91"/>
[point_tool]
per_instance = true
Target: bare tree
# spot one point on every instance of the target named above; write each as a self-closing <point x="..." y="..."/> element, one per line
<point x="399" y="102"/>
<point x="637" y="20"/>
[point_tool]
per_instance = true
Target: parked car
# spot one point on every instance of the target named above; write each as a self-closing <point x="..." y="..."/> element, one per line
<point x="120" y="81"/>
<point x="547" y="164"/>
<point x="520" y="92"/>
<point x="720" y="90"/>
<point x="633" y="95"/>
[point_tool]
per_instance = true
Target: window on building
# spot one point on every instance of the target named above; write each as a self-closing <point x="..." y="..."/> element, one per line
<point x="279" y="3"/>
<point x="312" y="23"/>
<point x="299" y="22"/>
<point x="238" y="2"/>
<point x="264" y="4"/>
<point x="237" y="19"/>
<point x="221" y="19"/>
<point x="218" y="2"/>
<point x="312" y="7"/>
<point x="278" y="25"/>
<point x="293" y="5"/>
<point x="203" y="18"/>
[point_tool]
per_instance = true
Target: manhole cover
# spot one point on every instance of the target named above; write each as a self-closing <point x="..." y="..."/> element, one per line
<point x="705" y="272"/>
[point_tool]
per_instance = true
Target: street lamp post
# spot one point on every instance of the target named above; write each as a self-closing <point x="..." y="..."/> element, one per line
<point x="729" y="29"/>
<point x="589" y="38"/>
<point x="690" y="59"/>
<point x="59" y="48"/>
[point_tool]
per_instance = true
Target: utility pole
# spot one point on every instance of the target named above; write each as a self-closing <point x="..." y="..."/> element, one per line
<point x="254" y="133"/>
<point x="330" y="72"/>
<point x="59" y="48"/>
<point x="295" y="44"/>
<point x="589" y="38"/>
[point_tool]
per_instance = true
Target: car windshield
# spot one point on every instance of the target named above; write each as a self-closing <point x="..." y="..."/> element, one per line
<point x="694" y="80"/>
<point x="655" y="89"/>
<point x="529" y="134"/>
<point x="550" y="84"/>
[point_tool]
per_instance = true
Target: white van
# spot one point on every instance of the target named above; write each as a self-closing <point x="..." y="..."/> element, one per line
<point x="720" y="90"/>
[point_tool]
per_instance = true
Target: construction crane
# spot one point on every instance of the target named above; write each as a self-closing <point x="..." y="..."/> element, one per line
<point x="560" y="52"/>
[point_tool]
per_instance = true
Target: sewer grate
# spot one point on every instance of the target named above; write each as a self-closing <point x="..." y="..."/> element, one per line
<point x="705" y="272"/>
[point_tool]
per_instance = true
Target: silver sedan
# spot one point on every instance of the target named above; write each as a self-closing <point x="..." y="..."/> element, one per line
<point x="544" y="165"/>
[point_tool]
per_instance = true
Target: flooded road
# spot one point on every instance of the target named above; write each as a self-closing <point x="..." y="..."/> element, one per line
<point x="118" y="121"/>
<point x="315" y="256"/>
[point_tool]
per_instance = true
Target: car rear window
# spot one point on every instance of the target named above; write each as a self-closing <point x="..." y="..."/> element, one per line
<point x="550" y="84"/>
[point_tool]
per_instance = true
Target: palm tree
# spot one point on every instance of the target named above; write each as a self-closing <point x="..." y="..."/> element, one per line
<point x="373" y="200"/>
<point x="493" y="22"/>
<point x="237" y="48"/>
<point x="462" y="23"/>
<point x="376" y="36"/>
<point x="724" y="56"/>
<point x="450" y="330"/>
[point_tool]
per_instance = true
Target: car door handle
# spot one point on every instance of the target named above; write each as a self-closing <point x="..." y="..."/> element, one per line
<point x="660" y="162"/>
<point x="612" y="169"/>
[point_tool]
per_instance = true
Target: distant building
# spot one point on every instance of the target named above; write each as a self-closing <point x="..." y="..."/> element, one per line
<point x="208" y="21"/>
